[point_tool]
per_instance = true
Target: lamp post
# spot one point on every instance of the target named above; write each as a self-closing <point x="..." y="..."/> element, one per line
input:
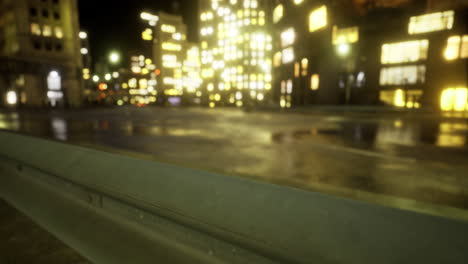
<point x="114" y="57"/>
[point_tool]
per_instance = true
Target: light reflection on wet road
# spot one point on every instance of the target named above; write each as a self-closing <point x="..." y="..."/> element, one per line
<point x="401" y="161"/>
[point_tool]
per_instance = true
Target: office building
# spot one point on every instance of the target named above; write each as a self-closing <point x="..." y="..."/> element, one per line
<point x="40" y="60"/>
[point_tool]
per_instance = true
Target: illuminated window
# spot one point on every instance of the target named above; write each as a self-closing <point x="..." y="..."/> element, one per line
<point x="147" y="34"/>
<point x="401" y="98"/>
<point x="404" y="75"/>
<point x="457" y="47"/>
<point x="314" y="82"/>
<point x="58" y="32"/>
<point x="318" y="19"/>
<point x="345" y="35"/>
<point x="168" y="28"/>
<point x="464" y="49"/>
<point x="54" y="81"/>
<point x="46" y="31"/>
<point x="278" y="13"/>
<point x="305" y="66"/>
<point x="297" y="69"/>
<point x="36" y="29"/>
<point x="171" y="46"/>
<point x="277" y="59"/>
<point x="454" y="99"/>
<point x="288" y="37"/>
<point x="287" y="55"/>
<point x="402" y="52"/>
<point x="431" y="22"/>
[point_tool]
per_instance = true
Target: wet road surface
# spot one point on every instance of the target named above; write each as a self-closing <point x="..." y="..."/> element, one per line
<point x="407" y="161"/>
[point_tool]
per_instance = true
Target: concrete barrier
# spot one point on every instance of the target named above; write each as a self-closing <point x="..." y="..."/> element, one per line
<point x="215" y="218"/>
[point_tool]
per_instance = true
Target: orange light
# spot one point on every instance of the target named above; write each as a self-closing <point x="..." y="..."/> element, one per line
<point x="158" y="72"/>
<point x="102" y="86"/>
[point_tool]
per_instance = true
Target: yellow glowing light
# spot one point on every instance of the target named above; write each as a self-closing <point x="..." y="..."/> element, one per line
<point x="171" y="46"/>
<point x="318" y="19"/>
<point x="95" y="78"/>
<point x="147" y="34"/>
<point x="125" y="86"/>
<point x="343" y="49"/>
<point x="403" y="75"/>
<point x="278" y="13"/>
<point x="457" y="47"/>
<point x="168" y="28"/>
<point x="297" y="69"/>
<point x="59" y="32"/>
<point x="403" y="52"/>
<point x="305" y="66"/>
<point x="46" y="31"/>
<point x="345" y="35"/>
<point x="399" y="100"/>
<point x="298" y="2"/>
<point x="431" y="22"/>
<point x="454" y="99"/>
<point x="36" y="29"/>
<point x="212" y="105"/>
<point x="314" y="82"/>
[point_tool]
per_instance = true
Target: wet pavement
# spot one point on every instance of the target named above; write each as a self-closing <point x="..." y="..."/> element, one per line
<point x="24" y="242"/>
<point x="415" y="162"/>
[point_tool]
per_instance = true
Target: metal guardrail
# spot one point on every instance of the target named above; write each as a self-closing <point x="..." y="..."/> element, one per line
<point x="116" y="209"/>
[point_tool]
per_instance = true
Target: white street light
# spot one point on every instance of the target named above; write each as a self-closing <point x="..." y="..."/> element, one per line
<point x="344" y="49"/>
<point x="11" y="98"/>
<point x="114" y="57"/>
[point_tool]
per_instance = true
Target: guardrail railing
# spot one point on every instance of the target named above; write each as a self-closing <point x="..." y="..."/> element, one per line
<point x="117" y="209"/>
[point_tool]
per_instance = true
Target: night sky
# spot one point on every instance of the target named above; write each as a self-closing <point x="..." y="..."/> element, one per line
<point x="116" y="24"/>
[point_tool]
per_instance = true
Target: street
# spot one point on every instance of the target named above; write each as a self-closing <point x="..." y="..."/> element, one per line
<point x="414" y="162"/>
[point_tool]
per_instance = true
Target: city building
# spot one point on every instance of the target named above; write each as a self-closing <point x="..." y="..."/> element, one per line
<point x="400" y="53"/>
<point x="236" y="52"/>
<point x="85" y="50"/>
<point x="40" y="60"/>
<point x="170" y="64"/>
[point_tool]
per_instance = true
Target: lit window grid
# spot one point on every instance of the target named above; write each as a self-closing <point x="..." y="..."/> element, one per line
<point x="457" y="47"/>
<point x="318" y="19"/>
<point x="403" y="75"/>
<point x="345" y="35"/>
<point x="431" y="22"/>
<point x="454" y="99"/>
<point x="227" y="53"/>
<point x="404" y="52"/>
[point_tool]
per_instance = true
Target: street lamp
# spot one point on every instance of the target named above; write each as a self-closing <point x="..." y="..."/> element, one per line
<point x="343" y="49"/>
<point x="114" y="57"/>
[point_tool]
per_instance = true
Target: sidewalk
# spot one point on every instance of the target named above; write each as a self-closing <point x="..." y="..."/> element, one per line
<point x="24" y="242"/>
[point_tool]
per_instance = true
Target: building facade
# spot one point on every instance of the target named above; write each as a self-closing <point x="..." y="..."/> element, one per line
<point x="236" y="46"/>
<point x="40" y="60"/>
<point x="399" y="53"/>
<point x="169" y="66"/>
